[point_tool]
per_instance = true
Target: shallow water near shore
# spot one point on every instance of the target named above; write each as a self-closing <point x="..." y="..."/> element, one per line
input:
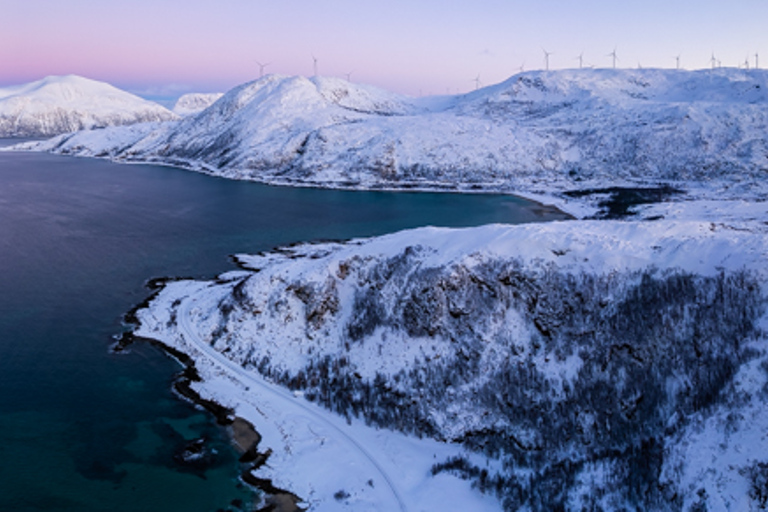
<point x="85" y="429"/>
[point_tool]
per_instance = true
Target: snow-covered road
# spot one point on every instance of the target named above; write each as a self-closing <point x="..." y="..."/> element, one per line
<point x="295" y="406"/>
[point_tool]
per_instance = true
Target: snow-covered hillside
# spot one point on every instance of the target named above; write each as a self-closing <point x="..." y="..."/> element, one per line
<point x="193" y="103"/>
<point x="584" y="365"/>
<point x="538" y="132"/>
<point x="63" y="104"/>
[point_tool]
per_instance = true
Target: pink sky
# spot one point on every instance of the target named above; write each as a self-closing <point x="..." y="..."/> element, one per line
<point x="414" y="47"/>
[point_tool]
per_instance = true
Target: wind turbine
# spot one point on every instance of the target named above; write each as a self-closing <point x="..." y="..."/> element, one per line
<point x="615" y="58"/>
<point x="314" y="61"/>
<point x="261" y="68"/>
<point x="746" y="62"/>
<point x="477" y="81"/>
<point x="349" y="76"/>
<point x="581" y="60"/>
<point x="546" y="58"/>
<point x="677" y="59"/>
<point x="757" y="64"/>
<point x="713" y="60"/>
<point x="522" y="67"/>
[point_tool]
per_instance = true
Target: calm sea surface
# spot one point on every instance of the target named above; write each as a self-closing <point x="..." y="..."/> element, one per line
<point x="83" y="429"/>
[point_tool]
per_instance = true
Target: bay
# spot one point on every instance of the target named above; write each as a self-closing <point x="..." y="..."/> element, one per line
<point x="86" y="429"/>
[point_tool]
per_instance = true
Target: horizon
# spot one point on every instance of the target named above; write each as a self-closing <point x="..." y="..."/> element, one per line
<point x="166" y="49"/>
<point x="169" y="100"/>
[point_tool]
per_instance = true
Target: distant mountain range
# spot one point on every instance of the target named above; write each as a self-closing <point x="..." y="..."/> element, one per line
<point x="62" y="104"/>
<point x="537" y="131"/>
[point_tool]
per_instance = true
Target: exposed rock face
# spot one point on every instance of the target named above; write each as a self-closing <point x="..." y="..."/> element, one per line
<point x="581" y="356"/>
<point x="63" y="104"/>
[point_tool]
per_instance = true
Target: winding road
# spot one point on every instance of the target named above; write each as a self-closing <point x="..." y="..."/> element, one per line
<point x="287" y="399"/>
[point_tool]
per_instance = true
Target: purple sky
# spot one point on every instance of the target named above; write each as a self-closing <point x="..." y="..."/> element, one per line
<point x="167" y="47"/>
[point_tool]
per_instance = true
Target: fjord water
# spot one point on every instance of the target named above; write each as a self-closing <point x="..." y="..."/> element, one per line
<point x="84" y="429"/>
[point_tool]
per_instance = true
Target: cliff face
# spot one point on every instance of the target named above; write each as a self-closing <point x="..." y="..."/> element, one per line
<point x="587" y="358"/>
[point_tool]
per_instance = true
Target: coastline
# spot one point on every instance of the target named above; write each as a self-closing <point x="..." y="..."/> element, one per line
<point x="244" y="437"/>
<point x="580" y="200"/>
<point x="548" y="203"/>
<point x="184" y="318"/>
<point x="330" y="462"/>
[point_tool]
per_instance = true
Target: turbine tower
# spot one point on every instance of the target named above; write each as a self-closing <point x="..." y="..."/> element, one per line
<point x="522" y="67"/>
<point x="713" y="60"/>
<point x="261" y="68"/>
<point x="349" y="76"/>
<point x="546" y="58"/>
<point x="677" y="60"/>
<point x="314" y="62"/>
<point x="477" y="81"/>
<point x="615" y="58"/>
<point x="757" y="63"/>
<point x="581" y="60"/>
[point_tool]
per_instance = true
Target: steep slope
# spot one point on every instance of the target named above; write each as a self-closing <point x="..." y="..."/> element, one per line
<point x="597" y="365"/>
<point x="538" y="132"/>
<point x="62" y="104"/>
<point x="193" y="103"/>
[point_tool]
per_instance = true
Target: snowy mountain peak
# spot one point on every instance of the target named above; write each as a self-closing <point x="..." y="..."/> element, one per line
<point x="60" y="104"/>
<point x="298" y="93"/>
<point x="193" y="103"/>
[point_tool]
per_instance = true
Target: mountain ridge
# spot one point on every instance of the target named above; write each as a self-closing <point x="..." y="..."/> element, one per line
<point x="537" y="132"/>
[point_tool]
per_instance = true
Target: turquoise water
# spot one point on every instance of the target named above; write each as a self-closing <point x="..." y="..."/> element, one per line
<point x="84" y="429"/>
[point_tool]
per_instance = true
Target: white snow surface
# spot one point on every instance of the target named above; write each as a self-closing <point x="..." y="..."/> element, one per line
<point x="317" y="454"/>
<point x="195" y="102"/>
<point x="538" y="133"/>
<point x="62" y="104"/>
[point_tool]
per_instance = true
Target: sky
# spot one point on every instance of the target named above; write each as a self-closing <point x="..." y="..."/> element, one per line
<point x="416" y="47"/>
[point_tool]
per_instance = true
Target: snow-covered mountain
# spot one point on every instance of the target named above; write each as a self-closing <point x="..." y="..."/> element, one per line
<point x="195" y="102"/>
<point x="63" y="104"/>
<point x="536" y="132"/>
<point x="597" y="365"/>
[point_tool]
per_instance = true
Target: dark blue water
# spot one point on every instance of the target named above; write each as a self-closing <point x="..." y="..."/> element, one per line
<point x="84" y="429"/>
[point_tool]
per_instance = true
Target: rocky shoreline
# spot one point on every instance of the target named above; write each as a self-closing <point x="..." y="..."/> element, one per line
<point x="243" y="434"/>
